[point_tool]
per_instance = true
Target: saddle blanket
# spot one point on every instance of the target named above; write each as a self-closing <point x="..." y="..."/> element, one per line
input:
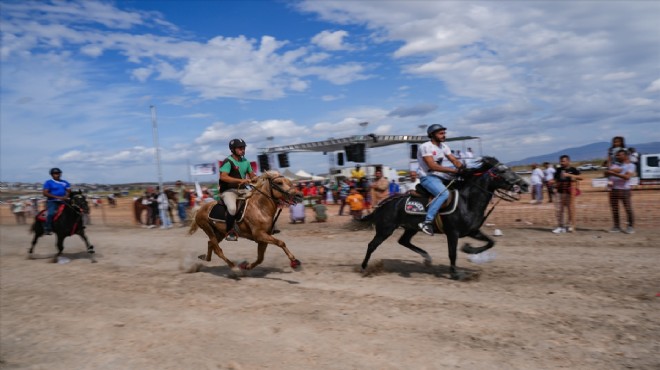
<point x="419" y="206"/>
<point x="41" y="216"/>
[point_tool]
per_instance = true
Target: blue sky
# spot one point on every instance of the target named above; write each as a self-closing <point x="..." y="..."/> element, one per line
<point x="78" y="77"/>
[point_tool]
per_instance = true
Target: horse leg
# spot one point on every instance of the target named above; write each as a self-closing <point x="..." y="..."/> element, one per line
<point x="60" y="246"/>
<point x="38" y="229"/>
<point x="469" y="249"/>
<point x="382" y="233"/>
<point x="90" y="247"/>
<point x="266" y="238"/>
<point x="452" y="244"/>
<point x="213" y="244"/>
<point x="405" y="241"/>
<point x="261" y="251"/>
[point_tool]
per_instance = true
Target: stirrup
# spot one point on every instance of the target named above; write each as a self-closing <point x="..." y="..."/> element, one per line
<point x="231" y="237"/>
<point x="426" y="228"/>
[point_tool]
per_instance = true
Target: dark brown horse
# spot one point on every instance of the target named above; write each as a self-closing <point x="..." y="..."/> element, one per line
<point x="139" y="208"/>
<point x="69" y="223"/>
<point x="271" y="191"/>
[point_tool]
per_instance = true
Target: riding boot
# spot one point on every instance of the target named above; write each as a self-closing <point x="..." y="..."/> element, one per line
<point x="231" y="233"/>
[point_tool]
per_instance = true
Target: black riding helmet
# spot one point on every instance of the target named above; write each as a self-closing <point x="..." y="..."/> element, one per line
<point x="55" y="170"/>
<point x="236" y="143"/>
<point x="434" y="128"/>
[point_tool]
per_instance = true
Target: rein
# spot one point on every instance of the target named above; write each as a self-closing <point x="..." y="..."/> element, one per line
<point x="497" y="193"/>
<point x="271" y="197"/>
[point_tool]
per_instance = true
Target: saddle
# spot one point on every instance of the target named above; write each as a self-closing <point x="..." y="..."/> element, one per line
<point x="419" y="199"/>
<point x="41" y="216"/>
<point x="218" y="212"/>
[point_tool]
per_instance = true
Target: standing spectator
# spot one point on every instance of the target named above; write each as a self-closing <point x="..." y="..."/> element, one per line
<point x="18" y="208"/>
<point x="329" y="193"/>
<point x="410" y="185"/>
<point x="618" y="143"/>
<point x="320" y="211"/>
<point x="297" y="213"/>
<point x="380" y="188"/>
<point x="153" y="199"/>
<point x="357" y="174"/>
<point x="549" y="174"/>
<point x="458" y="154"/>
<point x="344" y="190"/>
<point x="469" y="154"/>
<point x="394" y="188"/>
<point x="566" y="178"/>
<point x="536" y="181"/>
<point x="29" y="209"/>
<point x="356" y="201"/>
<point x="620" y="174"/>
<point x="182" y="198"/>
<point x="163" y="207"/>
<point x="320" y="190"/>
<point x="56" y="190"/>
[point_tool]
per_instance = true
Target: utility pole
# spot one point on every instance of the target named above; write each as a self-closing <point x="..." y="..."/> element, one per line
<point x="156" y="147"/>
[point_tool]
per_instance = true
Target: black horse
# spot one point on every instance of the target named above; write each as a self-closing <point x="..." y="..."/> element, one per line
<point x="476" y="188"/>
<point x="69" y="222"/>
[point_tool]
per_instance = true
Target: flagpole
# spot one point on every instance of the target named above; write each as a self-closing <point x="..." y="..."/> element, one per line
<point x="156" y="147"/>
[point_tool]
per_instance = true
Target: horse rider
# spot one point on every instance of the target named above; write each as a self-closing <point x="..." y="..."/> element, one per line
<point x="436" y="163"/>
<point x="235" y="171"/>
<point x="57" y="191"/>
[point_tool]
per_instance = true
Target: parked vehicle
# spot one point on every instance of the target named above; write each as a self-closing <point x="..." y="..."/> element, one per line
<point x="649" y="169"/>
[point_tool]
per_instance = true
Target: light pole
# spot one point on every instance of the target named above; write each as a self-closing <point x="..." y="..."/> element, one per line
<point x="156" y="147"/>
<point x="366" y="145"/>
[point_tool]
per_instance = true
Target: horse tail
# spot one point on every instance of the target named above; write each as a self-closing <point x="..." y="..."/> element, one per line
<point x="193" y="224"/>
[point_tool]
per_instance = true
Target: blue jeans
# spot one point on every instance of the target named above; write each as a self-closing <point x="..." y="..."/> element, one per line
<point x="52" y="210"/>
<point x="434" y="186"/>
<point x="181" y="207"/>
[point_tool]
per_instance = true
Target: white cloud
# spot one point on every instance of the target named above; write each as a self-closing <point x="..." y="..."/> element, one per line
<point x="332" y="97"/>
<point x="654" y="86"/>
<point x="331" y="40"/>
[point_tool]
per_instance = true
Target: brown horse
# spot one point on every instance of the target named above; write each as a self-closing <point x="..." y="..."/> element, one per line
<point x="271" y="191"/>
<point x="139" y="208"/>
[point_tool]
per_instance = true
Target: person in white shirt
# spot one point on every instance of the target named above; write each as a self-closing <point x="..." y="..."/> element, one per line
<point x="468" y="154"/>
<point x="537" y="184"/>
<point x="410" y="185"/>
<point x="163" y="207"/>
<point x="620" y="173"/>
<point x="549" y="173"/>
<point x="436" y="163"/>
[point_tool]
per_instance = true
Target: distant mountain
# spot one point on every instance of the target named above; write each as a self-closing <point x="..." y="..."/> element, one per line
<point x="590" y="152"/>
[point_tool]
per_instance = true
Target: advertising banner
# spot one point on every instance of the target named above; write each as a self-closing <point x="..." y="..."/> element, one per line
<point x="203" y="169"/>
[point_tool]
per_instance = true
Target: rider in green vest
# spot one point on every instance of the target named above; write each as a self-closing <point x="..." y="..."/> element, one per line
<point x="234" y="172"/>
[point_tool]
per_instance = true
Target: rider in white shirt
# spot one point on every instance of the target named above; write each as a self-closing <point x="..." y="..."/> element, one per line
<point x="436" y="163"/>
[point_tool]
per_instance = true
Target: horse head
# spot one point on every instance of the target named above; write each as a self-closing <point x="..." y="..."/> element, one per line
<point x="501" y="175"/>
<point x="79" y="201"/>
<point x="280" y="188"/>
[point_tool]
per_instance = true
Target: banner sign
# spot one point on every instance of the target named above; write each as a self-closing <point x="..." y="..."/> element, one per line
<point x="203" y="169"/>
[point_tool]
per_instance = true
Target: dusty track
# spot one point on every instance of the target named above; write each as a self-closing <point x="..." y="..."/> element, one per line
<point x="585" y="300"/>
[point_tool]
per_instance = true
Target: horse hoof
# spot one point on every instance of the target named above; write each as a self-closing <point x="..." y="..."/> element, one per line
<point x="455" y="276"/>
<point x="295" y="264"/>
<point x="244" y="266"/>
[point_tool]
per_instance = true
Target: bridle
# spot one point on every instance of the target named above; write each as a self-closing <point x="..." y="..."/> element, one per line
<point x="287" y="199"/>
<point x="498" y="193"/>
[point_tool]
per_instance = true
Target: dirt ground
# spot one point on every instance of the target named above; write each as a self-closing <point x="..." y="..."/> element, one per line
<point x="586" y="300"/>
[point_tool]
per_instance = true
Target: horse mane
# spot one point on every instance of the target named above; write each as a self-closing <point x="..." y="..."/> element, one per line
<point x="485" y="163"/>
<point x="265" y="176"/>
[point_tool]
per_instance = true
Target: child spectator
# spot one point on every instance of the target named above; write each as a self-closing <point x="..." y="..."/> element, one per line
<point x="320" y="211"/>
<point x="356" y="201"/>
